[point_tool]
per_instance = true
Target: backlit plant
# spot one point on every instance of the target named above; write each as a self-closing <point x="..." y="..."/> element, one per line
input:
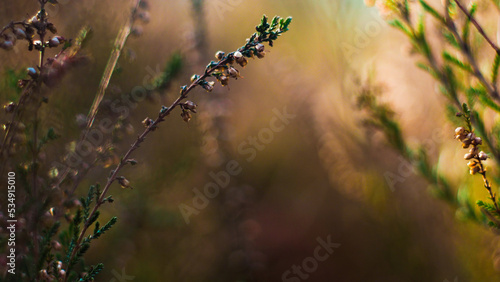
<point x="55" y="228"/>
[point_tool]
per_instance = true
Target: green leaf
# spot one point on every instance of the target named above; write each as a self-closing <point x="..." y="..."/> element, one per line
<point x="466" y="28"/>
<point x="92" y="273"/>
<point x="399" y="25"/>
<point x="494" y="69"/>
<point x="454" y="60"/>
<point x="432" y="11"/>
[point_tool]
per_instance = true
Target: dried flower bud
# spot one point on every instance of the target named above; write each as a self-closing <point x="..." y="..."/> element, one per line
<point x="209" y="86"/>
<point x="472" y="163"/>
<point x="124" y="183"/>
<point x="242" y="61"/>
<point x="19" y="33"/>
<point x="7" y="45"/>
<point x="468" y="156"/>
<point x="147" y="122"/>
<point x="259" y="47"/>
<point x="474" y="150"/>
<point x="54" y="42"/>
<point x="51" y="28"/>
<point x="477" y="141"/>
<point x="466" y="143"/>
<point x="219" y="55"/>
<point x="32" y="72"/>
<point x="482" y="156"/>
<point x="190" y="105"/>
<point x="475" y="170"/>
<point x="186" y="116"/>
<point x="224" y="80"/>
<point x="234" y="73"/>
<point x="261" y="55"/>
<point x="237" y="55"/>
<point x="194" y="77"/>
<point x="9" y="108"/>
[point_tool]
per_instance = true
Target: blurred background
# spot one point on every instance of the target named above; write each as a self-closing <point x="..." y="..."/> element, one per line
<point x="320" y="177"/>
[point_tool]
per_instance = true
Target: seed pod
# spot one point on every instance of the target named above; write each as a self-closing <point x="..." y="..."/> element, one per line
<point x="468" y="156"/>
<point x="219" y="55"/>
<point x="477" y="141"/>
<point x="261" y="55"/>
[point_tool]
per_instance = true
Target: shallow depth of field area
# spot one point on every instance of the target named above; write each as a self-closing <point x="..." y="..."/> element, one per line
<point x="278" y="176"/>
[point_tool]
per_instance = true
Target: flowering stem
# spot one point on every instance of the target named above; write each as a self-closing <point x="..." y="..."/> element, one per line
<point x="488" y="186"/>
<point x="135" y="145"/>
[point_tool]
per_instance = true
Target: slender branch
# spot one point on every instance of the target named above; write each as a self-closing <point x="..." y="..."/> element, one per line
<point x="135" y="145"/>
<point x="488" y="186"/>
<point x="478" y="26"/>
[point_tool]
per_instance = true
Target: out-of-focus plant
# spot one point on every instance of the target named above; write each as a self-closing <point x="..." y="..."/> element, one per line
<point x="469" y="89"/>
<point x="53" y="226"/>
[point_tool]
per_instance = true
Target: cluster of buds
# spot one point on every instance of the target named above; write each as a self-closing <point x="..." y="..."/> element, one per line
<point x="470" y="140"/>
<point x="187" y="107"/>
<point x="49" y="275"/>
<point x="26" y="30"/>
<point x="224" y="68"/>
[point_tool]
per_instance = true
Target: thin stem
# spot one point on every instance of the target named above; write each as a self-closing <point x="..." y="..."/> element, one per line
<point x="134" y="146"/>
<point x="488" y="186"/>
<point x="478" y="26"/>
<point x="491" y="89"/>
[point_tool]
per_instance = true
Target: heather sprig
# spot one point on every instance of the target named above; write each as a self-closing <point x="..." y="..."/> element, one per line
<point x="222" y="71"/>
<point x="468" y="88"/>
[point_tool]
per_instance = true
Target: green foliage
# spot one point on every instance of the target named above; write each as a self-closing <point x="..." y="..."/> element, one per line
<point x="92" y="273"/>
<point x="464" y="85"/>
<point x="432" y="11"/>
<point x="172" y="69"/>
